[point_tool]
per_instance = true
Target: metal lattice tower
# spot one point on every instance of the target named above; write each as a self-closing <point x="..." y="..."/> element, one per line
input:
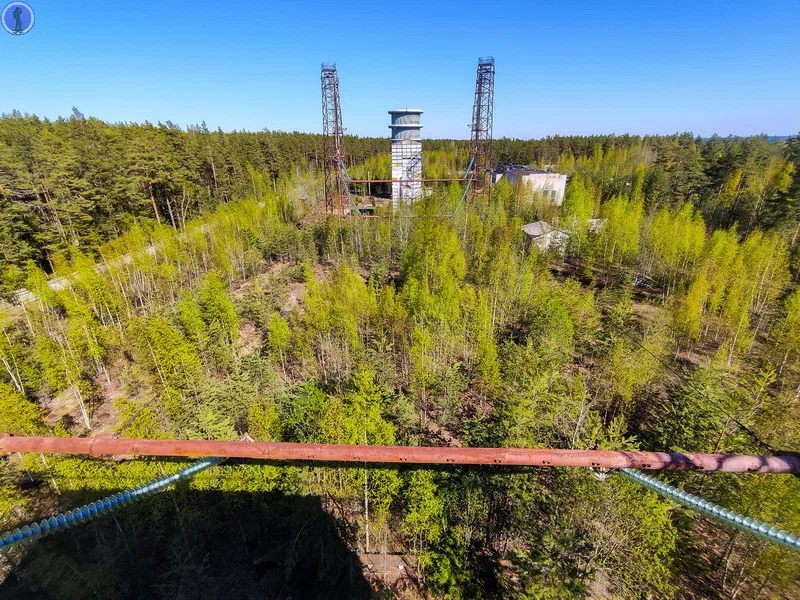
<point x="482" y="118"/>
<point x="333" y="134"/>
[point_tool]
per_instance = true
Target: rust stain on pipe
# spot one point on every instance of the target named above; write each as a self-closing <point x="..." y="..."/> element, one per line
<point x="278" y="451"/>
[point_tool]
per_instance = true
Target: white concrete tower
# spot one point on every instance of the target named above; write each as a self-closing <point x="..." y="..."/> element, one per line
<point x="406" y="155"/>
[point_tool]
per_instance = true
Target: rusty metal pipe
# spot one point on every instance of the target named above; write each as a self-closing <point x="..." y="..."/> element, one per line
<point x="278" y="451"/>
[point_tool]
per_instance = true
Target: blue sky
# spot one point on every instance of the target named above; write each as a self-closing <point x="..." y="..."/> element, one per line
<point x="578" y="67"/>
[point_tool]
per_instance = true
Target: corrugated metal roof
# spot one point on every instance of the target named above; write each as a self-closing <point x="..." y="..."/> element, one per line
<point x="521" y="170"/>
<point x="527" y="172"/>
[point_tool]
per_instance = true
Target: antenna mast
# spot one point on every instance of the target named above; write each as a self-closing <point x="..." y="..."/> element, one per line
<point x="333" y="134"/>
<point x="481" y="128"/>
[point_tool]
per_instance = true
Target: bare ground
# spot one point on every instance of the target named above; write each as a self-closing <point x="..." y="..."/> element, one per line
<point x="296" y="291"/>
<point x="249" y="339"/>
<point x="105" y="417"/>
<point x="63" y="405"/>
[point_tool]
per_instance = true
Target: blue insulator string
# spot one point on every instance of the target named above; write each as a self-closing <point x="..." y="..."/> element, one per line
<point x="102" y="506"/>
<point x="716" y="512"/>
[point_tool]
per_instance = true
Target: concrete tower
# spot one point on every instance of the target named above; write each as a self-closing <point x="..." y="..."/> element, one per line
<point x="406" y="155"/>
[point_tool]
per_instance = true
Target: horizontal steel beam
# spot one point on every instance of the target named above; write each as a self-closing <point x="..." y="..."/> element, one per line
<point x="529" y="457"/>
<point x="404" y="180"/>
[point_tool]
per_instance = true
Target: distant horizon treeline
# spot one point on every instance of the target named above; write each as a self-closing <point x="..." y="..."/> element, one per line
<point x="79" y="181"/>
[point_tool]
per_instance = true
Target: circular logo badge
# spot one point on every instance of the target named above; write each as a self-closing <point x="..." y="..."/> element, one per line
<point x="17" y="18"/>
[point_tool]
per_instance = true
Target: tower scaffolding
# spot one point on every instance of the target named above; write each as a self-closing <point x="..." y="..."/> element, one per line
<point x="481" y="127"/>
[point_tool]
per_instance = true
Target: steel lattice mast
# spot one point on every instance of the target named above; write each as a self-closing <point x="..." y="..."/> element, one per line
<point x="333" y="134"/>
<point x="482" y="118"/>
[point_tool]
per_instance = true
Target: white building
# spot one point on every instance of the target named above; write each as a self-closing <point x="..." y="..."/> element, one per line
<point x="551" y="185"/>
<point x="406" y="155"/>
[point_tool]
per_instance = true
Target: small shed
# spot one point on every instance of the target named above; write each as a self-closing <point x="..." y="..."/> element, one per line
<point x="542" y="235"/>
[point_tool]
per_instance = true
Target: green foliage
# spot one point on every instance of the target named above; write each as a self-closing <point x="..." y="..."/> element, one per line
<point x="171" y="359"/>
<point x="433" y="267"/>
<point x="264" y="421"/>
<point x="787" y="329"/>
<point x="447" y="568"/>
<point x="424" y="511"/>
<point x="688" y="313"/>
<point x="278" y="337"/>
<point x="12" y="502"/>
<point x="575" y="214"/>
<point x="191" y="321"/>
<point x="211" y="424"/>
<point x="301" y="414"/>
<point x="674" y="244"/>
<point x="487" y="363"/>
<point x="617" y="244"/>
<point x="690" y="419"/>
<point x="217" y="309"/>
<point x="337" y="314"/>
<point x="145" y="425"/>
<point x="19" y="368"/>
<point x="632" y="368"/>
<point x="634" y="538"/>
<point x="19" y="415"/>
<point x="553" y="569"/>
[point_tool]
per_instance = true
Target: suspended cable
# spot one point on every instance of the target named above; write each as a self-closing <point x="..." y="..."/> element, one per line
<point x="714" y="511"/>
<point x="469" y="176"/>
<point x="102" y="506"/>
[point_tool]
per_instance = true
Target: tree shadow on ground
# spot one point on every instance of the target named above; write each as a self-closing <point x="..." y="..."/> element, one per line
<point x="188" y="544"/>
